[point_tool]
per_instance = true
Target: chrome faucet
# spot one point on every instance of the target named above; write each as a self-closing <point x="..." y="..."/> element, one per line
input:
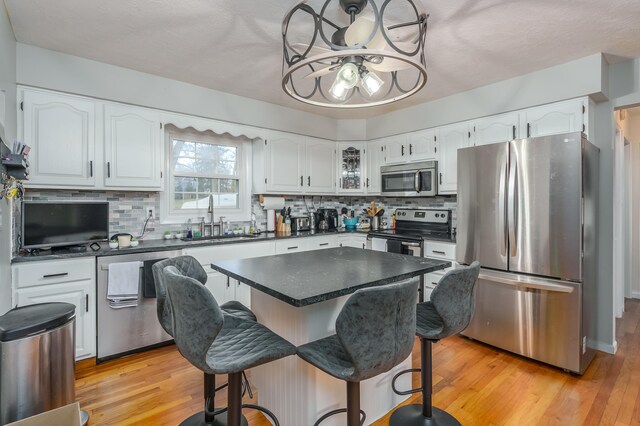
<point x="211" y="225"/>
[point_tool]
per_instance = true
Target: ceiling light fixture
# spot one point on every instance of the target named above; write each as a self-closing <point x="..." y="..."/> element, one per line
<point x="352" y="54"/>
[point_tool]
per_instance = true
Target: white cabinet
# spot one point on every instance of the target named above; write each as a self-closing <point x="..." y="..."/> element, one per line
<point x="294" y="245"/>
<point x="321" y="242"/>
<point x="560" y="117"/>
<point x="290" y="245"/>
<point x="352" y="240"/>
<point x="222" y="287"/>
<point x="422" y="145"/>
<point x="61" y="132"/>
<point x="495" y="129"/>
<point x="375" y="160"/>
<point x="450" y="139"/>
<point x="132" y="147"/>
<point x="71" y="281"/>
<point x="396" y="149"/>
<point x="351" y="167"/>
<point x="438" y="250"/>
<point x="293" y="164"/>
<point x="320" y="172"/>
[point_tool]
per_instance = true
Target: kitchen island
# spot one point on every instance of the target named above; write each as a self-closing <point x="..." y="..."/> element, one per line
<point x="299" y="296"/>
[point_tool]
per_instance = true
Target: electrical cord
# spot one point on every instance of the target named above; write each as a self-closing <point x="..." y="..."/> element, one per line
<point x="144" y="227"/>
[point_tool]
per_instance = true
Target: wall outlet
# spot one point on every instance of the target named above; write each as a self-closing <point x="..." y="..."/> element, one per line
<point x="151" y="211"/>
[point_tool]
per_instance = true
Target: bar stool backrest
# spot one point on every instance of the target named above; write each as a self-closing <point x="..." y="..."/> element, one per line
<point x="377" y="326"/>
<point x="187" y="265"/>
<point x="197" y="318"/>
<point x="454" y="298"/>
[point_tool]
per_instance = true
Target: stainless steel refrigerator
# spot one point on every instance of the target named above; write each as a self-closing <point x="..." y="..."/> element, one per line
<point x="527" y="212"/>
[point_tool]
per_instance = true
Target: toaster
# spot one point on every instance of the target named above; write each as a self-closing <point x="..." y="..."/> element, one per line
<point x="300" y="223"/>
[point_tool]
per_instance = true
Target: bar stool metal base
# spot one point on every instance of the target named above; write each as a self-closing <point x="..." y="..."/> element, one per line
<point x="220" y="420"/>
<point x="411" y="415"/>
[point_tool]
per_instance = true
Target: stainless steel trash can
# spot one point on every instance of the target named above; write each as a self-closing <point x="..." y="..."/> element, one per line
<point x="37" y="360"/>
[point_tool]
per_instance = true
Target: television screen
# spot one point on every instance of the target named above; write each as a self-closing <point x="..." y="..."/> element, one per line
<point x="51" y="224"/>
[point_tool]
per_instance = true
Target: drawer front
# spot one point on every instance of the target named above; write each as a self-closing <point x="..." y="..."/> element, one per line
<point x="440" y="250"/>
<point x="31" y="274"/>
<point x="291" y="245"/>
<point x="319" y="243"/>
<point x="432" y="279"/>
<point x="206" y="255"/>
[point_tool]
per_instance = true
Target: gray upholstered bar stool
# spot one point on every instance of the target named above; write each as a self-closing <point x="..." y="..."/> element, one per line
<point x="189" y="266"/>
<point x="217" y="343"/>
<point x="374" y="333"/>
<point x="447" y="313"/>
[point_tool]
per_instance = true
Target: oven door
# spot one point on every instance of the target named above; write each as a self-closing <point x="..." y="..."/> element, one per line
<point x="409" y="183"/>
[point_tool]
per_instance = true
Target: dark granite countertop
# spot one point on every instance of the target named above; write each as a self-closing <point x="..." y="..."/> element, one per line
<point x="146" y="246"/>
<point x="305" y="278"/>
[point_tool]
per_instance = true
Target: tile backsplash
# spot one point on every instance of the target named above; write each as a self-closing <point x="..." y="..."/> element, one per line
<point x="128" y="209"/>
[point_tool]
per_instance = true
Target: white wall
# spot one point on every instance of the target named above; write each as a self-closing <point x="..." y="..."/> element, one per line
<point x="631" y="130"/>
<point x="58" y="71"/>
<point x="352" y="130"/>
<point x="8" y="86"/>
<point x="582" y="77"/>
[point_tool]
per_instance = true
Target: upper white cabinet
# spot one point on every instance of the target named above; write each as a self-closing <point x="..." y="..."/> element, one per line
<point x="560" y="117"/>
<point x="396" y="149"/>
<point x="133" y="147"/>
<point x="495" y="129"/>
<point x="292" y="164"/>
<point x="351" y="167"/>
<point x="451" y="138"/>
<point x="423" y="145"/>
<point x="375" y="160"/>
<point x="320" y="166"/>
<point x="61" y="132"/>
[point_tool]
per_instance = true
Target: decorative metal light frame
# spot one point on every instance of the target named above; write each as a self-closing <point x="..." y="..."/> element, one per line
<point x="309" y="71"/>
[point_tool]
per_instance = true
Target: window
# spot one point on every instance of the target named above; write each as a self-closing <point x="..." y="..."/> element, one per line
<point x="203" y="164"/>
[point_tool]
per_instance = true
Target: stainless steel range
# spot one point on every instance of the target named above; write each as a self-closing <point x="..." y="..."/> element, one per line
<point x="413" y="227"/>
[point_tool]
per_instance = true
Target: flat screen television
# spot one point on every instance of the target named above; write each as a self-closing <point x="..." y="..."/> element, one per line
<point x="56" y="224"/>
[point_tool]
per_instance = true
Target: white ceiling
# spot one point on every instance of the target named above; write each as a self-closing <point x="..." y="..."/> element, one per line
<point x="235" y="45"/>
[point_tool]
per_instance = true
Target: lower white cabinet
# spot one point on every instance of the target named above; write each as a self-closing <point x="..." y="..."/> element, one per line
<point x="352" y="240"/>
<point x="223" y="288"/>
<point x="293" y="245"/>
<point x="442" y="251"/>
<point x="71" y="281"/>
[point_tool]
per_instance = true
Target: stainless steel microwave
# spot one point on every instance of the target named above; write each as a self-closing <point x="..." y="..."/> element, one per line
<point x="410" y="180"/>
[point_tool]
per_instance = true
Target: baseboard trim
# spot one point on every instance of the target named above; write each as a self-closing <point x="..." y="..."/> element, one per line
<point x="610" y="348"/>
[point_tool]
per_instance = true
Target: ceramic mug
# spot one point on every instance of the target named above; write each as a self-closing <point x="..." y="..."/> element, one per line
<point x="124" y="241"/>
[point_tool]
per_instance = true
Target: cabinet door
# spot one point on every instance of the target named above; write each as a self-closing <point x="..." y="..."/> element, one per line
<point x="320" y="167"/>
<point x="61" y="132"/>
<point x="422" y="145"/>
<point x="291" y="245"/>
<point x="133" y="147"/>
<point x="78" y="293"/>
<point x="285" y="157"/>
<point x="495" y="129"/>
<point x="451" y="138"/>
<point x="321" y="242"/>
<point x="353" y="241"/>
<point x="242" y="293"/>
<point x="350" y="167"/>
<point x="219" y="285"/>
<point x="558" y="118"/>
<point x="397" y="149"/>
<point x="375" y="159"/>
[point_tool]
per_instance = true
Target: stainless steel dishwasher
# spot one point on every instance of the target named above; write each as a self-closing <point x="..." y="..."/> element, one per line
<point x="127" y="330"/>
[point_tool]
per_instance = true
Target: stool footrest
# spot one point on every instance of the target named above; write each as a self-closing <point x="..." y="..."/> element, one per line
<point x="265" y="411"/>
<point x="363" y="416"/>
<point x="407" y="392"/>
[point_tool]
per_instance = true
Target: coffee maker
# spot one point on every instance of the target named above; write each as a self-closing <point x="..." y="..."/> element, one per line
<point x="330" y="216"/>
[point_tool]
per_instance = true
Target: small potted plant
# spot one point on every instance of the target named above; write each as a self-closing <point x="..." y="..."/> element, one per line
<point x="134" y="242"/>
<point x="167" y="235"/>
<point x="113" y="243"/>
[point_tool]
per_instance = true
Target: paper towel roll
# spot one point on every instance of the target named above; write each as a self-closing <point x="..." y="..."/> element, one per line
<point x="272" y="203"/>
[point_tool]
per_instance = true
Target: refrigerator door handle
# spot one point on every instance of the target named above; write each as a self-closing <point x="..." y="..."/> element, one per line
<point x="527" y="282"/>
<point x="503" y="208"/>
<point x="511" y="208"/>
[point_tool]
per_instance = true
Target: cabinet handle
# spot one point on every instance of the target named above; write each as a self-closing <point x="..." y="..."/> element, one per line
<point x="402" y="150"/>
<point x="308" y="180"/>
<point x="91" y="168"/>
<point x="340" y="183"/>
<point x="434" y="283"/>
<point x="440" y="178"/>
<point x="438" y="252"/>
<point x="513" y="129"/>
<point x="410" y="149"/>
<point x="323" y="244"/>
<point x="62" y="274"/>
<point x="528" y="130"/>
<point x="291" y="248"/>
<point x="227" y="281"/>
<point x="301" y="180"/>
<point x="86" y="303"/>
<point x="363" y="245"/>
<point x="108" y="169"/>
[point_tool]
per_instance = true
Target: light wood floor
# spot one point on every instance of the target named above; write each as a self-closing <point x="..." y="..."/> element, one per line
<point x="478" y="384"/>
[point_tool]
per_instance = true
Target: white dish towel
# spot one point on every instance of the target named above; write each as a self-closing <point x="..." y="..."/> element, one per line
<point x="378" y="244"/>
<point x="123" y="284"/>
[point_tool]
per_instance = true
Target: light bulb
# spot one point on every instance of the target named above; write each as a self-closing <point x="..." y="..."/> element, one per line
<point x="339" y="90"/>
<point x="371" y="83"/>
<point x="348" y="75"/>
